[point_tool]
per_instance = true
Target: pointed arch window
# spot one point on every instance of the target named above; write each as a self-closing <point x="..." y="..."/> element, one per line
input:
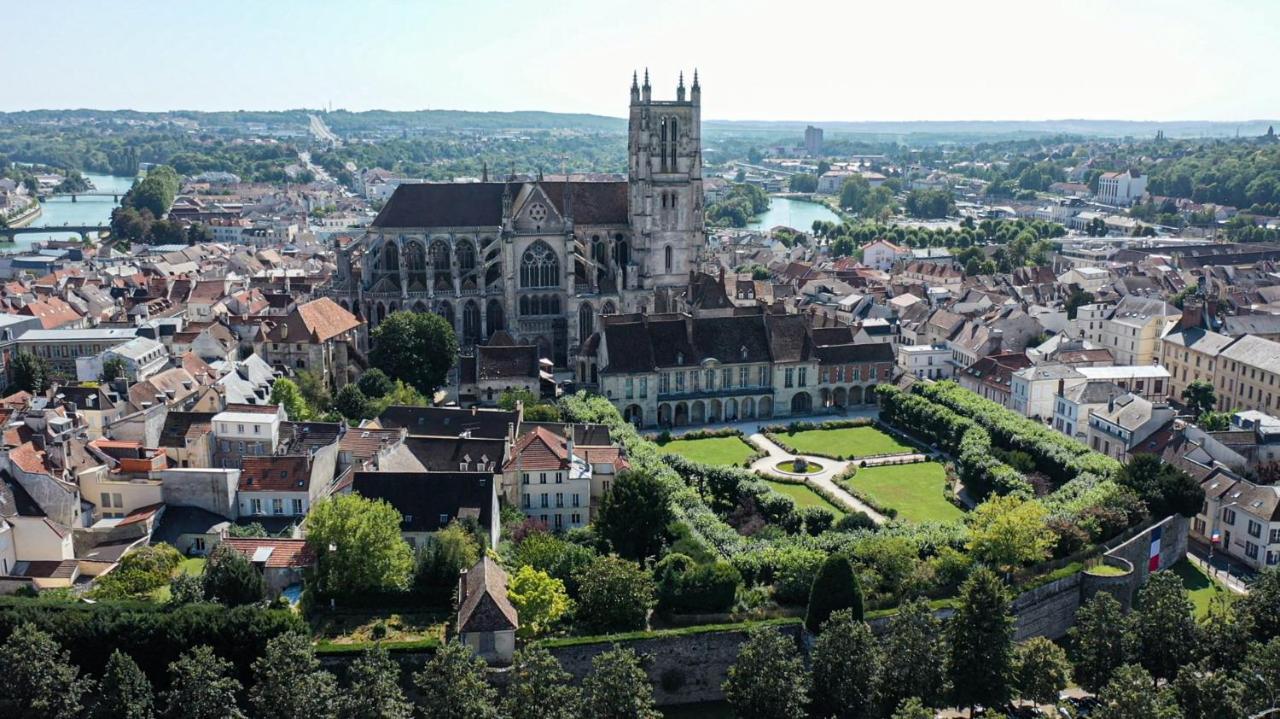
<point x="672" y="143"/>
<point x="667" y="257"/>
<point x="539" y="266"/>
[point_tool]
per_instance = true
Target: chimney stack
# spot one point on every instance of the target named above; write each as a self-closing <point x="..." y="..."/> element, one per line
<point x="1192" y="312"/>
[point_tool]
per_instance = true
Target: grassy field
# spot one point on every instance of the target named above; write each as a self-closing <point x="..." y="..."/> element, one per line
<point x="804" y="497"/>
<point x="1202" y="588"/>
<point x="846" y="442"/>
<point x="712" y="450"/>
<point x="189" y="565"/>
<point x="915" y="490"/>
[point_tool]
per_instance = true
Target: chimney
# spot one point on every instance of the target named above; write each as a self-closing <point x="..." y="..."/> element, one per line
<point x="568" y="443"/>
<point x="1062" y="385"/>
<point x="995" y="340"/>
<point x="1192" y="311"/>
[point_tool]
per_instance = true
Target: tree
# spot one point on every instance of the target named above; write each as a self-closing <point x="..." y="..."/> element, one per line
<point x="39" y="678"/>
<point x="539" y="600"/>
<point x="540" y="688"/>
<point x="846" y="668"/>
<point x="1214" y="421"/>
<point x="1129" y="695"/>
<point x="913" y="709"/>
<point x="1102" y="641"/>
<point x="1164" y="618"/>
<point x="417" y="347"/>
<point x="126" y="693"/>
<point x="230" y="579"/>
<point x="30" y="373"/>
<point x="284" y="391"/>
<point x="853" y="192"/>
<point x="803" y="182"/>
<point x="1008" y="532"/>
<point x="289" y="683"/>
<point x="358" y="545"/>
<point x="910" y="653"/>
<point x="1261" y="675"/>
<point x="1200" y="397"/>
<point x="314" y="388"/>
<point x="375" y="383"/>
<point x="1041" y="670"/>
<point x="201" y="687"/>
<point x="352" y="403"/>
<point x="1261" y="606"/>
<point x="929" y="204"/>
<point x="112" y="369"/>
<point x="835" y="587"/>
<point x="1204" y="694"/>
<point x="558" y="558"/>
<point x="618" y="688"/>
<point x="452" y="685"/>
<point x="614" y="594"/>
<point x="509" y="398"/>
<point x="1077" y="298"/>
<point x="436" y="566"/>
<point x="980" y="660"/>
<point x="635" y="514"/>
<point x="374" y="691"/>
<point x="1165" y="488"/>
<point x="768" y="680"/>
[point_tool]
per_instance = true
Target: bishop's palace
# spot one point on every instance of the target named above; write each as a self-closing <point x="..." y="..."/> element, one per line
<point x="564" y="267"/>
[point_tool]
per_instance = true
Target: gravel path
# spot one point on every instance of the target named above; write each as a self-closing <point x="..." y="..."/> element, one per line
<point x="826" y="478"/>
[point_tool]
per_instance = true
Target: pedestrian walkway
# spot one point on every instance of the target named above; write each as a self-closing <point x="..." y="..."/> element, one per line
<point x="825" y="479"/>
<point x="1224" y="569"/>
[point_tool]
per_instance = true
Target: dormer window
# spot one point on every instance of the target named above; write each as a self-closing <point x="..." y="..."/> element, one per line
<point x="743" y="352"/>
<point x="680" y="358"/>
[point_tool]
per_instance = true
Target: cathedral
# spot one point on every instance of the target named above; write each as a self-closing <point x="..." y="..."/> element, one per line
<point x="542" y="259"/>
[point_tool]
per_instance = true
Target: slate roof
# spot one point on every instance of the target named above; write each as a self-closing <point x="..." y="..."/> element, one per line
<point x="501" y="362"/>
<point x="182" y="427"/>
<point x="446" y="454"/>
<point x="853" y="354"/>
<point x="479" y="204"/>
<point x="681" y="341"/>
<point x="485" y="607"/>
<point x="423" y="498"/>
<point x="448" y="421"/>
<point x="177" y="521"/>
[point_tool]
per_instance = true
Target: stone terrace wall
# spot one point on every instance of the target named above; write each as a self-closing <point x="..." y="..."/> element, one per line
<point x="683" y="669"/>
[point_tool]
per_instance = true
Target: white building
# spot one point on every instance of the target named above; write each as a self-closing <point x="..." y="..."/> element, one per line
<point x="1126" y="422"/>
<point x="883" y="254"/>
<point x="926" y="361"/>
<point x="1033" y="390"/>
<point x="142" y="357"/>
<point x="1121" y="188"/>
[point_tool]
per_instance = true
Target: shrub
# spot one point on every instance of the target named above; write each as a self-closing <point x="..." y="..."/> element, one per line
<point x="794" y="575"/>
<point x="817" y="520"/>
<point x="614" y="594"/>
<point x="835" y="587"/>
<point x="139" y="573"/>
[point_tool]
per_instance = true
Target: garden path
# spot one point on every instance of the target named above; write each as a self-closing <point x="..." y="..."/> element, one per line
<point x="826" y="478"/>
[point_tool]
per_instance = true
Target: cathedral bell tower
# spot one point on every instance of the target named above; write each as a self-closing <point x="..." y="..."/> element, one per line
<point x="664" y="150"/>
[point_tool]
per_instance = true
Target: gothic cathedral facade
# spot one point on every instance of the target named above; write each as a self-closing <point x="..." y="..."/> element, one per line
<point x="542" y="259"/>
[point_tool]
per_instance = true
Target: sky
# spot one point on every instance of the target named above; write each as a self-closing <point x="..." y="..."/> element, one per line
<point x="816" y="60"/>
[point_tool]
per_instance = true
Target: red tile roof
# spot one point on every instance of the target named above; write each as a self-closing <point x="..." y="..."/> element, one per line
<point x="275" y="474"/>
<point x="52" y="313"/>
<point x="538" y="450"/>
<point x="285" y="553"/>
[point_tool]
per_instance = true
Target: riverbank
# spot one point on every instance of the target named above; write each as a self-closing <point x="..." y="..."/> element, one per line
<point x="26" y="218"/>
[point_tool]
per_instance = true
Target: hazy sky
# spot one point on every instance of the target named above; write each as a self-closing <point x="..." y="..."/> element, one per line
<point x="768" y="60"/>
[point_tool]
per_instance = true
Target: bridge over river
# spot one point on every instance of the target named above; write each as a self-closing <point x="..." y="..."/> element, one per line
<point x="10" y="234"/>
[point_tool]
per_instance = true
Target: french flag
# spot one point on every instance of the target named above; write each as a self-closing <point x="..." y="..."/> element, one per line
<point x="1153" y="561"/>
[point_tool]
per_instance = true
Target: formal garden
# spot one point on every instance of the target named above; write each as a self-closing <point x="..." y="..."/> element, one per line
<point x="677" y="546"/>
<point x="915" y="492"/>
<point x="851" y="439"/>
<point x="724" y="448"/>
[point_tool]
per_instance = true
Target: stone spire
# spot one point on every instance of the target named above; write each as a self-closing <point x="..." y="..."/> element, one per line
<point x="680" y="88"/>
<point x="646" y="92"/>
<point x="695" y="92"/>
<point x="635" y="88"/>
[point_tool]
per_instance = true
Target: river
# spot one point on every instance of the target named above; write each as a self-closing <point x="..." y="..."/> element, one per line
<point x="61" y="211"/>
<point x="796" y="214"/>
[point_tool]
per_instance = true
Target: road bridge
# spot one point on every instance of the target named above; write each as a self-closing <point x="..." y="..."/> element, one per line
<point x="9" y="234"/>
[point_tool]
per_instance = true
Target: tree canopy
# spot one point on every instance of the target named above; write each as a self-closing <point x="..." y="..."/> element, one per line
<point x="416" y="347"/>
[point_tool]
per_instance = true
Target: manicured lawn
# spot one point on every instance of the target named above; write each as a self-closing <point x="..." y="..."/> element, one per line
<point x="810" y="468"/>
<point x="711" y="450"/>
<point x="846" y="442"/>
<point x="915" y="490"/>
<point x="804" y="497"/>
<point x="189" y="565"/>
<point x="1202" y="588"/>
